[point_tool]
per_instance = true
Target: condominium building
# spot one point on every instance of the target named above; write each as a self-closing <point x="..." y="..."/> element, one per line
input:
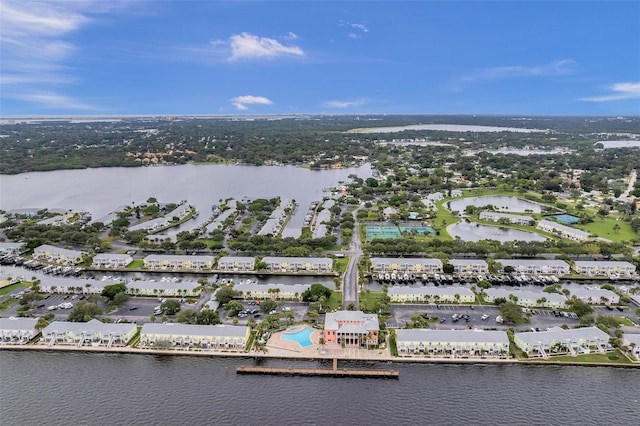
<point x="405" y="265"/>
<point x="563" y="230"/>
<point x="527" y="298"/>
<point x="271" y="291"/>
<point x="17" y="331"/>
<point x="452" y="343"/>
<point x="558" y="341"/>
<point x="469" y="266"/>
<point x="604" y="267"/>
<point x="511" y="218"/>
<point x="57" y="255"/>
<point x="111" y="260"/>
<point x="536" y="266"/>
<point x="220" y="337"/>
<point x="236" y="263"/>
<point x="167" y="261"/>
<point x="93" y="333"/>
<point x="401" y="294"/>
<point x="298" y="264"/>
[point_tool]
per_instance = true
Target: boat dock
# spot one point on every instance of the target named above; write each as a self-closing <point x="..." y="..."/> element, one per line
<point x="329" y="372"/>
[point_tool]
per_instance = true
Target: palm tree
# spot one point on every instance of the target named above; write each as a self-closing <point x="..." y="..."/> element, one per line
<point x="616" y="228"/>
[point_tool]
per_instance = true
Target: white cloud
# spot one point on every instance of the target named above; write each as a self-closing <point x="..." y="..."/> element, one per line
<point x="54" y="101"/>
<point x="359" y="29"/>
<point x="561" y="67"/>
<point x="241" y="102"/>
<point x="345" y="104"/>
<point x="35" y="46"/>
<point x="620" y="91"/>
<point x="291" y="36"/>
<point x="249" y="46"/>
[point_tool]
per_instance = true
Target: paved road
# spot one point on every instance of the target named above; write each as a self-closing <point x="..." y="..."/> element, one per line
<point x="632" y="182"/>
<point x="350" y="278"/>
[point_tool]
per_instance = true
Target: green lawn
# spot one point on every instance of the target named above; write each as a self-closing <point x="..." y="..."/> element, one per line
<point x="624" y="321"/>
<point x="616" y="357"/>
<point x="136" y="264"/>
<point x="340" y="264"/>
<point x="334" y="302"/>
<point x="13" y="287"/>
<point x="603" y="227"/>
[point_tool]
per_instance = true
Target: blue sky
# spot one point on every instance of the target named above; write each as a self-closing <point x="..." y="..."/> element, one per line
<point x="237" y="57"/>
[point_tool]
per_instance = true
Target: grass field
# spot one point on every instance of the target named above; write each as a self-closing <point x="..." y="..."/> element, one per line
<point x="13" y="287"/>
<point x="136" y="264"/>
<point x="604" y="228"/>
<point x="616" y="357"/>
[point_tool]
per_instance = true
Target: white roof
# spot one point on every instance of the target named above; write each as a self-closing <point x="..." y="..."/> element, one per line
<point x="525" y="294"/>
<point x="558" y="334"/>
<point x="93" y="326"/>
<point x="563" y="228"/>
<point x="164" y="285"/>
<point x="179" y="257"/>
<point x="290" y="260"/>
<point x="295" y="288"/>
<point x="607" y="263"/>
<point x="594" y="292"/>
<point x="432" y="291"/>
<point x="14" y="323"/>
<point x="457" y="262"/>
<point x="367" y="321"/>
<point x="405" y="260"/>
<point x="176" y="329"/>
<point x="452" y="336"/>
<point x="532" y="262"/>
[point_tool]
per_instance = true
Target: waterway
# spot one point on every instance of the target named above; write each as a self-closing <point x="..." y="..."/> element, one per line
<point x="503" y="203"/>
<point x="102" y="190"/>
<point x="98" y="389"/>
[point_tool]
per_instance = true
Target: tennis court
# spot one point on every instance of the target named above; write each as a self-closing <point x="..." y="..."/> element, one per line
<point x="383" y="232"/>
<point x="567" y="219"/>
<point x="420" y="230"/>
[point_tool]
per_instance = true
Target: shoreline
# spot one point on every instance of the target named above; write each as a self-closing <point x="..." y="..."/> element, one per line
<point x="262" y="355"/>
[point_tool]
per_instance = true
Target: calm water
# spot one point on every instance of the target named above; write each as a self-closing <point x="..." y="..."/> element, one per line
<point x="503" y="203"/>
<point x="110" y="389"/>
<point x="469" y="231"/>
<point x="103" y="190"/>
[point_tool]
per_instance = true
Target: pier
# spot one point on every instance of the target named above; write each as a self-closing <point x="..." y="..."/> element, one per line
<point x="329" y="372"/>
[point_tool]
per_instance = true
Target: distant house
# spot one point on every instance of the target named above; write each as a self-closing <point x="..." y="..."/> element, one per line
<point x="351" y="328"/>
<point x="17" y="331"/>
<point x="604" y="267"/>
<point x="93" y="333"/>
<point x="219" y="337"/>
<point x="557" y="341"/>
<point x="57" y="255"/>
<point x="111" y="260"/>
<point x="452" y="343"/>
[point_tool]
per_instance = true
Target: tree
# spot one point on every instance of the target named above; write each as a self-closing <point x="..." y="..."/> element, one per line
<point x="208" y="317"/>
<point x="110" y="291"/>
<point x="448" y="268"/>
<point x="120" y="299"/>
<point x="511" y="313"/>
<point x="226" y="293"/>
<point x="233" y="308"/>
<point x="44" y="321"/>
<point x="267" y="306"/>
<point x="171" y="307"/>
<point x="188" y="316"/>
<point x="315" y="292"/>
<point x="579" y="307"/>
<point x="84" y="312"/>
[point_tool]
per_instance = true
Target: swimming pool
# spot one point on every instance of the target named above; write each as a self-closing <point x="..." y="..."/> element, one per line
<point x="302" y="337"/>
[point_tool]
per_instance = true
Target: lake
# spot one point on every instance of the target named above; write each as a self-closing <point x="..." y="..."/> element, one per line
<point x="102" y="190"/>
<point x="470" y="231"/>
<point x="504" y="203"/>
<point x="58" y="388"/>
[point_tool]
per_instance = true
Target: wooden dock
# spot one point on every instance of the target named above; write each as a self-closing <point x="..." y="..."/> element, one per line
<point x="328" y="372"/>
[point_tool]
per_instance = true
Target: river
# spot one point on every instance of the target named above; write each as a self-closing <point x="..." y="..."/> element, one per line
<point x="57" y="388"/>
<point x="102" y="190"/>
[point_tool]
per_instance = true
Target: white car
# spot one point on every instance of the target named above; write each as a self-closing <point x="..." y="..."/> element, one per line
<point x="484" y="317"/>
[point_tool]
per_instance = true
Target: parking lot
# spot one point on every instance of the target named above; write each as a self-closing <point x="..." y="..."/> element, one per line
<point x="543" y="319"/>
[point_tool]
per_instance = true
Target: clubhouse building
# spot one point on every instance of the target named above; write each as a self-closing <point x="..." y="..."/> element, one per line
<point x="351" y="328"/>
